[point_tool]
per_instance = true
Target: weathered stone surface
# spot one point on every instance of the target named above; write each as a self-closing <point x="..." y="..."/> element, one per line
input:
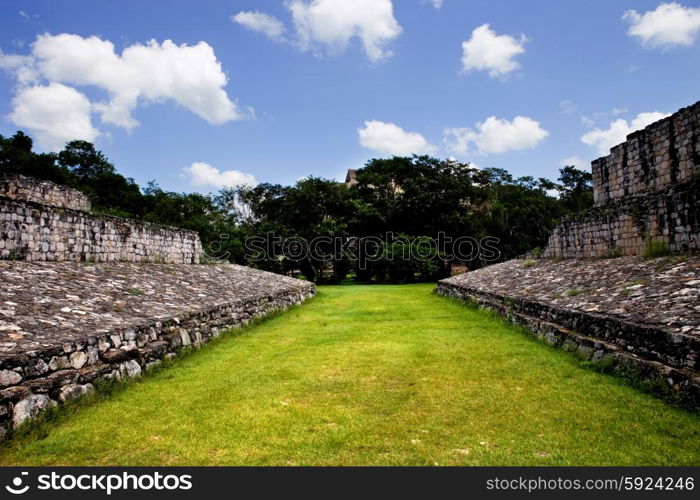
<point x="20" y="187"/>
<point x="9" y="377"/>
<point x="36" y="367"/>
<point x="115" y="356"/>
<point x="74" y="391"/>
<point x="29" y="407"/>
<point x="78" y="359"/>
<point x="59" y="363"/>
<point x="130" y="368"/>
<point x="623" y="227"/>
<point x="64" y="377"/>
<point x="12" y="394"/>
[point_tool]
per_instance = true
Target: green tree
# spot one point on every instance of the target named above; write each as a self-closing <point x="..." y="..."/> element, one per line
<point x="95" y="175"/>
<point x="17" y="157"/>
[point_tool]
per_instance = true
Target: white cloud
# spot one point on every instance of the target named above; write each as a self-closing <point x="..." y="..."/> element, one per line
<point x="495" y="136"/>
<point x="617" y="132"/>
<point x="670" y="24"/>
<point x="263" y="23"/>
<point x="203" y="174"/>
<point x="329" y="25"/>
<point x="332" y="23"/>
<point x="22" y="68"/>
<point x="54" y="113"/>
<point x="191" y="76"/>
<point x="487" y="51"/>
<point x="388" y="138"/>
<point x="576" y="161"/>
<point x="567" y="106"/>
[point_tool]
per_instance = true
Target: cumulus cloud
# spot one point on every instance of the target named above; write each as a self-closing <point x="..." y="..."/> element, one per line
<point x="670" y="24"/>
<point x="263" y="23"/>
<point x="575" y="161"/>
<point x="189" y="75"/>
<point x="495" y="136"/>
<point x="55" y="113"/>
<point x="617" y="132"/>
<point x="203" y="174"/>
<point x="329" y="25"/>
<point x="22" y="68"/>
<point x="487" y="51"/>
<point x="388" y="138"/>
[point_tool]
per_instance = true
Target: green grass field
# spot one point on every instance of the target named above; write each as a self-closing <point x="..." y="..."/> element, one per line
<point x="370" y="375"/>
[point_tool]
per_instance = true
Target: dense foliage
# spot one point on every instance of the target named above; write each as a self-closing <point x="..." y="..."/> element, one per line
<point x="403" y="220"/>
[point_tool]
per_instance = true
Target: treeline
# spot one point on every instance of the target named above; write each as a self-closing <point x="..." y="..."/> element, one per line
<point x="401" y="205"/>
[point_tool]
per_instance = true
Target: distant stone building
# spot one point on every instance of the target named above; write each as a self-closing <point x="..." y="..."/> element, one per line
<point x="351" y="177"/>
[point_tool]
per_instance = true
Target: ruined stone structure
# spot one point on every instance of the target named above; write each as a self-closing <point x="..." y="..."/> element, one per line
<point x="647" y="189"/>
<point x="64" y="325"/>
<point x="634" y="315"/>
<point x="23" y="188"/>
<point x="43" y="221"/>
<point x="88" y="297"/>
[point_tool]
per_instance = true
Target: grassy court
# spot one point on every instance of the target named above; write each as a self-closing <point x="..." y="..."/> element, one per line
<point x="370" y="375"/>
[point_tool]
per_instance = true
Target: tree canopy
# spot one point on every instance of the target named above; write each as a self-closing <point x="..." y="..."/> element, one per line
<point x="401" y="214"/>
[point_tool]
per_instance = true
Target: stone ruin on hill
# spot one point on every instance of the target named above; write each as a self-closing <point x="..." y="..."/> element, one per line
<point x="594" y="292"/>
<point x="88" y="297"/>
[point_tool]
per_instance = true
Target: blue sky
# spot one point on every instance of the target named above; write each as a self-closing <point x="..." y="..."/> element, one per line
<point x="298" y="88"/>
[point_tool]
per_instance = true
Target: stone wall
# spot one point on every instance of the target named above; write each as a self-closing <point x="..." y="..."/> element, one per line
<point x="663" y="154"/>
<point x="38" y="232"/>
<point x="23" y="188"/>
<point x="624" y="227"/>
<point x="647" y="189"/>
<point x="64" y="326"/>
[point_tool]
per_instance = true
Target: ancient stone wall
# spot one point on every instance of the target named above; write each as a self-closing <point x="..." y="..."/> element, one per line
<point x="34" y="232"/>
<point x="23" y="188"/>
<point x="624" y="227"/>
<point x="663" y="154"/>
<point x="646" y="190"/>
<point x="50" y="232"/>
